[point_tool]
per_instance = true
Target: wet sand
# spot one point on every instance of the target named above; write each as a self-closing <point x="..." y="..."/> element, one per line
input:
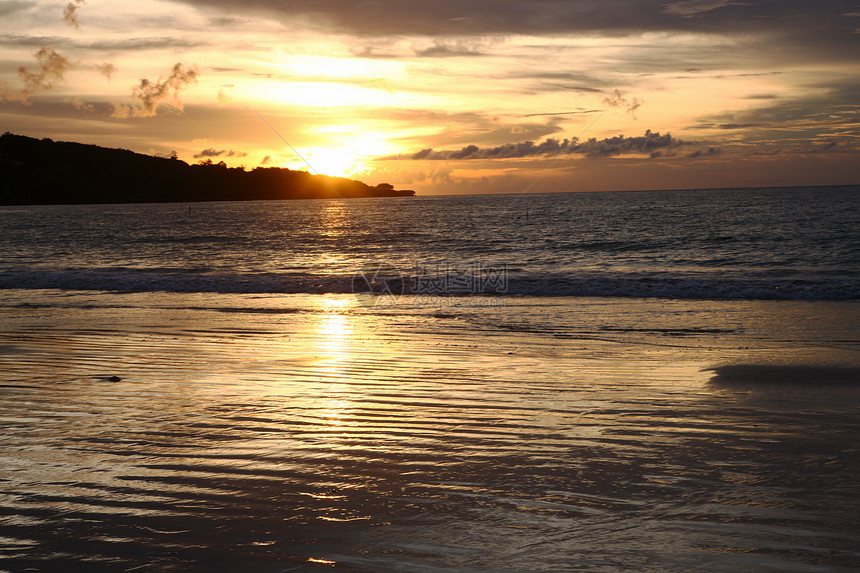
<point x="304" y="433"/>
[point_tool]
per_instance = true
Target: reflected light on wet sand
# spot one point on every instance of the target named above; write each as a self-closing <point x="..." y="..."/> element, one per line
<point x="334" y="341"/>
<point x="316" y="432"/>
<point x="333" y="332"/>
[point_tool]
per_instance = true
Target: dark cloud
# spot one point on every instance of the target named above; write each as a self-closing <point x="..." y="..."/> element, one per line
<point x="209" y="152"/>
<point x="574" y="81"/>
<point x="705" y="152"/>
<point x="555" y="87"/>
<point x="616" y="99"/>
<point x="70" y="13"/>
<point x="14" y="6"/>
<point x="227" y="21"/>
<point x="150" y="94"/>
<point x="824" y="147"/>
<point x="440" y="50"/>
<point x="370" y="52"/>
<point x="106" y="69"/>
<point x="575" y="77"/>
<point x="794" y="148"/>
<point x="648" y="144"/>
<point x="53" y="109"/>
<point x="830" y="110"/>
<point x="81" y="105"/>
<point x="580" y="111"/>
<point x="739" y="125"/>
<point x="212" y="152"/>
<point x="51" y="69"/>
<point x="806" y="23"/>
<point x="127" y="44"/>
<point x="693" y="8"/>
<point x="140" y="44"/>
<point x="22" y="41"/>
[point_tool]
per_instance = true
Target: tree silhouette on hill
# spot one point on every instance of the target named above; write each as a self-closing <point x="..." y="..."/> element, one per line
<point x="34" y="171"/>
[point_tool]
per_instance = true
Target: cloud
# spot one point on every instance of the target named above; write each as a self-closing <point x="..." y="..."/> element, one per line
<point x="20" y="40"/>
<point x="227" y="21"/>
<point x="127" y="44"/>
<point x="450" y="49"/>
<point x="223" y="96"/>
<point x="106" y="69"/>
<point x="140" y="44"/>
<point x="828" y="111"/>
<point x="48" y="111"/>
<point x="617" y="100"/>
<point x="150" y="94"/>
<point x="380" y="84"/>
<point x="555" y="81"/>
<point x="649" y="144"/>
<point x="212" y="152"/>
<point x="703" y="153"/>
<point x="81" y="105"/>
<point x="816" y="21"/>
<point x="668" y="36"/>
<point x="579" y="111"/>
<point x="52" y="68"/>
<point x="12" y="6"/>
<point x="370" y="52"/>
<point x="70" y="13"/>
<point x="556" y="87"/>
<point x="459" y="128"/>
<point x="693" y="8"/>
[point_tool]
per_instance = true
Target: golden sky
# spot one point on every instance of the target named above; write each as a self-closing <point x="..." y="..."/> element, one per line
<point x="451" y="97"/>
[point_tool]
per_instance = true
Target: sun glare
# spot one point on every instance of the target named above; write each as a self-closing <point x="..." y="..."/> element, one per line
<point x="333" y="162"/>
<point x="347" y="156"/>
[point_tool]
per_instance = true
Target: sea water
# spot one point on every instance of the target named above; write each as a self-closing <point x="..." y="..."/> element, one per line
<point x="786" y="244"/>
<point x="604" y="382"/>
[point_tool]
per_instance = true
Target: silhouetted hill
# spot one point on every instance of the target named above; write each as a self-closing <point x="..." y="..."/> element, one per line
<point x="34" y="171"/>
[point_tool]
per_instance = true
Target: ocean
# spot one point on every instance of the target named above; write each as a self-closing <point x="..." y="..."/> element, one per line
<point x="650" y="381"/>
<point x="782" y="244"/>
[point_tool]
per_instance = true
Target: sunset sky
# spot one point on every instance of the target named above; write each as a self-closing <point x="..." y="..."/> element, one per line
<point x="451" y="97"/>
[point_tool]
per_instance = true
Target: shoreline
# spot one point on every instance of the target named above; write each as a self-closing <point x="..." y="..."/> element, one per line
<point x="737" y="339"/>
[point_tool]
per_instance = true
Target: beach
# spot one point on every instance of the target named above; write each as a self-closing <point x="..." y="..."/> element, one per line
<point x="660" y="381"/>
<point x="200" y="432"/>
<point x="429" y="287"/>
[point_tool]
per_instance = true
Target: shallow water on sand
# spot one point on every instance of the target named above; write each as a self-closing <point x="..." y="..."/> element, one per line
<point x="302" y="433"/>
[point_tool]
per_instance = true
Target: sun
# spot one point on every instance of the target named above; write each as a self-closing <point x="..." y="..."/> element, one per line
<point x="340" y="150"/>
<point x="334" y="162"/>
<point x="346" y="155"/>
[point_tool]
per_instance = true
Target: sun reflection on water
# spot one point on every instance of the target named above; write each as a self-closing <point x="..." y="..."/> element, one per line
<point x="334" y="339"/>
<point x="334" y="332"/>
<point x="337" y="413"/>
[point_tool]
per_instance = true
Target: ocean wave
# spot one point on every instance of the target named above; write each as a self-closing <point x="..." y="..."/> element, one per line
<point x="390" y="282"/>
